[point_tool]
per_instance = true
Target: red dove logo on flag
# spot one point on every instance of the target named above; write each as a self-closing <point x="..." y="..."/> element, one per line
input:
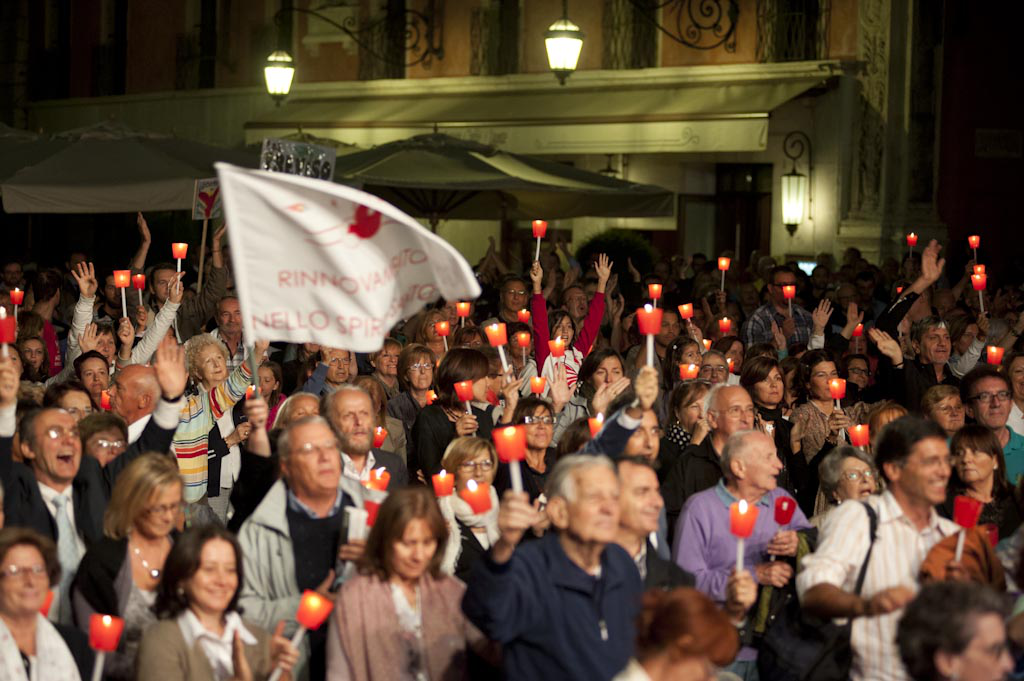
<point x="367" y="223"/>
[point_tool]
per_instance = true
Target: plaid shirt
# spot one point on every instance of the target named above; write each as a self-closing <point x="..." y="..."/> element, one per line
<point x="758" y="329"/>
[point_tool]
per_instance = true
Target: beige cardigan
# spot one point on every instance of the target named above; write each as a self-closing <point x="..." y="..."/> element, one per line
<point x="163" y="655"/>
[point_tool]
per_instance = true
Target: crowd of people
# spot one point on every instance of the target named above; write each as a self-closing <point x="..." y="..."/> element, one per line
<point x="158" y="469"/>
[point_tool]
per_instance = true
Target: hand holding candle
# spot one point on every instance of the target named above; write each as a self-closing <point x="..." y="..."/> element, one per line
<point x="313" y="612"/>
<point x="510" y="442"/>
<point x="648" y="321"/>
<point x="741" y="523"/>
<point x="966" y="512"/>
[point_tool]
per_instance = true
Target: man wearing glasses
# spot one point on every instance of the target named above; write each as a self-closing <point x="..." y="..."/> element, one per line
<point x="796" y="328"/>
<point x="513" y="292"/>
<point x="58" y="492"/>
<point x="987" y="397"/>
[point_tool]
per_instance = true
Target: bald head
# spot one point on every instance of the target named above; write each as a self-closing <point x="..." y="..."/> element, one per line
<point x="729" y="410"/>
<point x="135" y="392"/>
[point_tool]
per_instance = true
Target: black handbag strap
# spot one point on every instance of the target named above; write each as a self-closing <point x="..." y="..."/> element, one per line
<point x="873" y="522"/>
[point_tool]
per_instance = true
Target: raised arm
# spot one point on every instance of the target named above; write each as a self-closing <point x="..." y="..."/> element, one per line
<point x="139" y="259"/>
<point x="155" y="332"/>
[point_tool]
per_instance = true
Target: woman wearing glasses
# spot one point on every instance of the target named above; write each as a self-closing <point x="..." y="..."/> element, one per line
<point x="979" y="472"/>
<point x="30" y="646"/>
<point x="537" y="416"/>
<point x="470" y="535"/>
<point x="845" y="473"/>
<point x="415" y="377"/>
<point x="942" y="404"/>
<point x="104" y="436"/>
<point x="120" y="573"/>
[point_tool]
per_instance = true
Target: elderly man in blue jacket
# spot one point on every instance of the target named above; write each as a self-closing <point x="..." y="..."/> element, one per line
<point x="564" y="606"/>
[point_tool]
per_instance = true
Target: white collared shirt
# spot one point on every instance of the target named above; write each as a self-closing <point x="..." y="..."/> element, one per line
<point x="135" y="428"/>
<point x="218" y="649"/>
<point x="49" y="494"/>
<point x="349" y="470"/>
<point x="896" y="559"/>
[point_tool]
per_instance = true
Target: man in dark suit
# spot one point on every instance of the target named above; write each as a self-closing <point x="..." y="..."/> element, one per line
<point x="349" y="409"/>
<point x="640" y="506"/>
<point x="57" y="491"/>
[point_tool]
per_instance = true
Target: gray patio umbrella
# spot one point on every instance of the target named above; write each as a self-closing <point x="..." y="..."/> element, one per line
<point x="108" y="168"/>
<point x="440" y="177"/>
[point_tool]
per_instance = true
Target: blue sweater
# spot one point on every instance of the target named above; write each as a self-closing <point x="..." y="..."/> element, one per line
<point x="554" y="620"/>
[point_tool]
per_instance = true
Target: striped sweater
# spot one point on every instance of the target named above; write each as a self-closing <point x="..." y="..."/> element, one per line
<point x="198" y="417"/>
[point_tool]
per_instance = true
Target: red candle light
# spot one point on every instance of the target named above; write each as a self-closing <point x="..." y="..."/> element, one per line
<point x="431" y="397"/>
<point x="179" y="251"/>
<point x="538" y="384"/>
<point x="979" y="281"/>
<point x="974" y="241"/>
<point x="724" y="326"/>
<point x="789" y="291"/>
<point x="994" y="354"/>
<point x="595" y="424"/>
<point x="707" y="344"/>
<point x="648" y="320"/>
<point x="250" y="391"/>
<point x="17" y="296"/>
<point x="723" y="264"/>
<point x="379" y="435"/>
<point x="313" y="609"/>
<point x="444" y="484"/>
<point x="557" y="347"/>
<point x="105" y="399"/>
<point x="686" y="311"/>
<point x="540" y="229"/>
<point x="899" y="289"/>
<point x="979" y="269"/>
<point x="462" y="309"/>
<point x="654" y="291"/>
<point x="139" y="281"/>
<point x="371" y="508"/>
<point x="496" y="334"/>
<point x="523" y="339"/>
<point x="477" y="495"/>
<point x="688" y="372"/>
<point x="784" y="510"/>
<point x="510" y="442"/>
<point x="378" y="480"/>
<point x="122" y="278"/>
<point x="837" y="388"/>
<point x="104" y="632"/>
<point x="742" y="518"/>
<point x="860" y="435"/>
<point x="523" y="316"/>
<point x="966" y="511"/>
<point x="464" y="390"/>
<point x="8" y="329"/>
<point x="731" y="363"/>
<point x="911" y="239"/>
<point x="442" y="328"/>
<point x="858" y="331"/>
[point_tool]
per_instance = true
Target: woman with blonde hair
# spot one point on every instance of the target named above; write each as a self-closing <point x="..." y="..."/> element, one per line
<point x="401" y="616"/>
<point x="470" y="534"/>
<point x="120" y="573"/>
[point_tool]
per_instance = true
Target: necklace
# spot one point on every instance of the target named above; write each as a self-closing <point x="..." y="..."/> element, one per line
<point x="153" y="572"/>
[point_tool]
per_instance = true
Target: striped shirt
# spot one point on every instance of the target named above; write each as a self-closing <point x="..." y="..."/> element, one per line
<point x="896" y="559"/>
<point x="198" y="417"/>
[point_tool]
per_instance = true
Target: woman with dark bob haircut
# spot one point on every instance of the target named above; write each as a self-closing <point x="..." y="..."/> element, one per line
<point x="400" y="616"/>
<point x="201" y="635"/>
<point x="954" y="630"/>
<point x="979" y="471"/>
<point x="441" y="422"/>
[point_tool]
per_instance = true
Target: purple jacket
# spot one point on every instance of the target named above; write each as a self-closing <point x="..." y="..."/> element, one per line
<point x="706" y="548"/>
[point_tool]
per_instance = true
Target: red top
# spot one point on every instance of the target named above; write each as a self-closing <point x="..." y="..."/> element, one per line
<point x="583" y="340"/>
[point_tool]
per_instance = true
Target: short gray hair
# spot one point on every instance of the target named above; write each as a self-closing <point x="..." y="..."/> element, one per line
<point x="562" y="481"/>
<point x="830" y="470"/>
<point x="284" y="440"/>
<point x="328" y="400"/>
<point x="712" y="395"/>
<point x="735" y="447"/>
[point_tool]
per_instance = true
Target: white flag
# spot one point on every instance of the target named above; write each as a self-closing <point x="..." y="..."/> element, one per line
<point x="323" y="263"/>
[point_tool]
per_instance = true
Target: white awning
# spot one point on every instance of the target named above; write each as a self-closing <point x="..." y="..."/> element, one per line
<point x="685" y="109"/>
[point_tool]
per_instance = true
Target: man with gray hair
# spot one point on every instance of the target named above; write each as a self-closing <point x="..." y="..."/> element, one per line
<point x="350" y="412"/>
<point x="294" y="539"/>
<point x="706" y="547"/>
<point x="728" y="409"/>
<point x="563" y="607"/>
